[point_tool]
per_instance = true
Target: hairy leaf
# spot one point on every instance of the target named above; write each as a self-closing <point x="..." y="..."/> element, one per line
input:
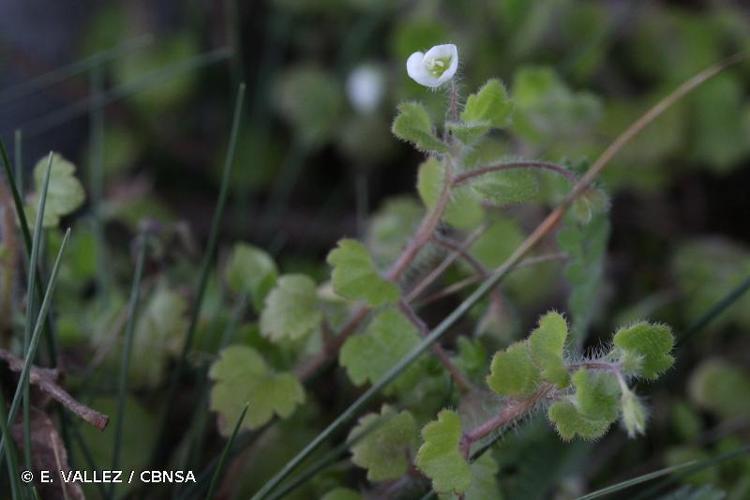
<point x="592" y="409"/>
<point x="546" y="344"/>
<point x="439" y="456"/>
<point x="292" y="310"/>
<point x="241" y="377"/>
<point x="646" y="349"/>
<point x="355" y="277"/>
<point x="414" y="125"/>
<point x="385" y="448"/>
<point x="513" y="373"/>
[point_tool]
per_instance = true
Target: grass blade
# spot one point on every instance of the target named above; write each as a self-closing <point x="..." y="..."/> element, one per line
<point x="55" y="118"/>
<point x="58" y="75"/>
<point x="687" y="468"/>
<point x="224" y="453"/>
<point x="26" y="232"/>
<point x="23" y="379"/>
<point x="714" y="311"/>
<point x="31" y="282"/>
<point x="10" y="450"/>
<point x="29" y="355"/>
<point x="135" y="295"/>
<point x="18" y="158"/>
<point x="206" y="266"/>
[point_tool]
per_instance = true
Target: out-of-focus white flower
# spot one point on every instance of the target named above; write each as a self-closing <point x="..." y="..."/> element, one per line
<point x="434" y="68"/>
<point x="365" y="86"/>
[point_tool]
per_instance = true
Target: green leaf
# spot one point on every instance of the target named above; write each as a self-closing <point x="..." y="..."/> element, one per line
<point x="65" y="193"/>
<point x="513" y="373"/>
<point x="507" y="187"/>
<point x="597" y="394"/>
<point x="585" y="245"/>
<point x="251" y="271"/>
<point x="387" y="339"/>
<point x="646" y="348"/>
<point x="292" y="310"/>
<point x="387" y="445"/>
<point x="355" y="277"/>
<point x="159" y="335"/>
<point x="241" y="377"/>
<point x="569" y="422"/>
<point x="413" y="125"/>
<point x="717" y="385"/>
<point x="439" y="456"/>
<point x="489" y="108"/>
<point x="464" y="209"/>
<point x="592" y="409"/>
<point x="484" y="482"/>
<point x="546" y="344"/>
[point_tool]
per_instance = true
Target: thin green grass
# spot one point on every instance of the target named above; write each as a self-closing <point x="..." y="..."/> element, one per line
<point x="122" y="391"/>
<point x="26" y="232"/>
<point x="206" y="266"/>
<point x="44" y="123"/>
<point x="23" y="380"/>
<point x="30" y="306"/>
<point x="59" y="75"/>
<point x="9" y="448"/>
<point x="684" y="468"/>
<point x="225" y="452"/>
<point x="18" y="158"/>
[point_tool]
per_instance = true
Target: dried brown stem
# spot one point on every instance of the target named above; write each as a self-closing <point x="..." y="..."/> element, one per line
<point x="46" y="380"/>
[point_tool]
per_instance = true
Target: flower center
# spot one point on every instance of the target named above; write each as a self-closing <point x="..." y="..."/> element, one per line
<point x="436" y="66"/>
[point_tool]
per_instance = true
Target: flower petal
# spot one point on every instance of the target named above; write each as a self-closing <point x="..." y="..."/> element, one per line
<point x="417" y="71"/>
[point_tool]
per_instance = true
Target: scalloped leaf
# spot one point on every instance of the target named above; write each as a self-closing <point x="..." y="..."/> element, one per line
<point x="439" y="456"/>
<point x="489" y="108"/>
<point x="413" y="124"/>
<point x="387" y="445"/>
<point x="546" y="344"/>
<point x="241" y="376"/>
<point x="252" y="271"/>
<point x="646" y="349"/>
<point x="513" y="373"/>
<point x="484" y="482"/>
<point x="64" y="195"/>
<point x="355" y="277"/>
<point x="388" y="338"/>
<point x="292" y="309"/>
<point x="592" y="409"/>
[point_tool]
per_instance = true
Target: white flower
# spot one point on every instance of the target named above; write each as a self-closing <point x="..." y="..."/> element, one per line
<point x="365" y="86"/>
<point x="435" y="67"/>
